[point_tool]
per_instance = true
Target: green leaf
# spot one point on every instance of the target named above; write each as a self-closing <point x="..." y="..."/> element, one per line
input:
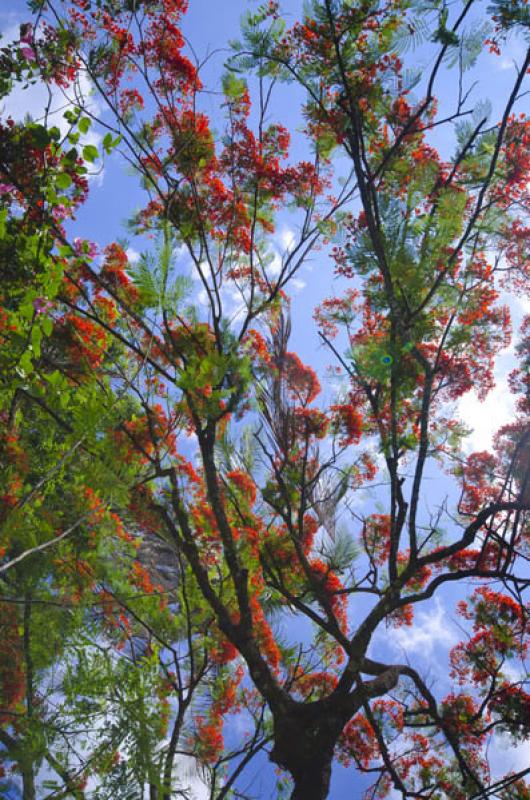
<point x="26" y="363"/>
<point x="84" y="125"/>
<point x="47" y="326"/>
<point x="36" y="338"/>
<point x="66" y="251"/>
<point x="26" y="309"/>
<point x="63" y="180"/>
<point x="341" y="553"/>
<point x="40" y="135"/>
<point x="233" y="87"/>
<point x="90" y="153"/>
<point x="71" y="116"/>
<point x="72" y="155"/>
<point x="446" y="37"/>
<point x="109" y="143"/>
<point x="55" y="379"/>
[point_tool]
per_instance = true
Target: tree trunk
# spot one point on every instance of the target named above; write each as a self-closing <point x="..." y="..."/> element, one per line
<point x="28" y="783"/>
<point x="312" y="782"/>
<point x="304" y="743"/>
<point x="27" y="764"/>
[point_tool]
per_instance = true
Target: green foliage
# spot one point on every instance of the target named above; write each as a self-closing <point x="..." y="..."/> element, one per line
<point x="512" y="14"/>
<point x="90" y="153"/>
<point x="341" y="552"/>
<point x="109" y="142"/>
<point x="470" y="46"/>
<point x="233" y="87"/>
<point x="157" y="279"/>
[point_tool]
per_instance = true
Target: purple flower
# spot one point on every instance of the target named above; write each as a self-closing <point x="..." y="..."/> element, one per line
<point x="60" y="211"/>
<point x="85" y="248"/>
<point x="41" y="305"/>
<point x="6" y="188"/>
<point x="28" y="53"/>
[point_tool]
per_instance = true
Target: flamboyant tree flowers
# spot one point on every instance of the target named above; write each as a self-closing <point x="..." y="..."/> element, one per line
<point x="200" y="515"/>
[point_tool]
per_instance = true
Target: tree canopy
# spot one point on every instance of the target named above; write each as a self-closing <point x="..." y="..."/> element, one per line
<point x="199" y="546"/>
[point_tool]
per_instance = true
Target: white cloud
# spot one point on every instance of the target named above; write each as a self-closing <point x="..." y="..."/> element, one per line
<point x="203" y="267"/>
<point x="512" y="56"/>
<point x="189" y="778"/>
<point x="505" y="756"/>
<point x="297" y="284"/>
<point x="287" y="239"/>
<point x="180" y="251"/>
<point x="275" y="267"/>
<point x="38" y="101"/>
<point x="133" y="255"/>
<point x="202" y="298"/>
<point x="284" y="242"/>
<point x="235" y="303"/>
<point x="485" y="417"/>
<point x="523" y="301"/>
<point x="232" y="298"/>
<point x="430" y="628"/>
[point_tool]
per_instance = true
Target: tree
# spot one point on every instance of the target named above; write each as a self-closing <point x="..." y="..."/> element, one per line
<point x="229" y="459"/>
<point x="92" y="646"/>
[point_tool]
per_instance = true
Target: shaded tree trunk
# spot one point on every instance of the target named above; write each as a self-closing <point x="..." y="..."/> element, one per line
<point x="28" y="772"/>
<point x="313" y="780"/>
<point x="28" y="783"/>
<point x="304" y="743"/>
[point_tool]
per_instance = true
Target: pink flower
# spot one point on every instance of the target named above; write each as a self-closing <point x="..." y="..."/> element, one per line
<point x="83" y="247"/>
<point x="41" y="305"/>
<point x="28" y="53"/>
<point x="60" y="212"/>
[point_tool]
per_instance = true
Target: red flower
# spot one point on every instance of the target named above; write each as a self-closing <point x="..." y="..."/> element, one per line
<point x="244" y="484"/>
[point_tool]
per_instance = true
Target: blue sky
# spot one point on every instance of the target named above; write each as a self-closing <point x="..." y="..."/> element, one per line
<point x="115" y="195"/>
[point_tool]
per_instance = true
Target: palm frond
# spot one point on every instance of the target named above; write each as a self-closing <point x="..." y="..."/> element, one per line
<point x="159" y="283"/>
